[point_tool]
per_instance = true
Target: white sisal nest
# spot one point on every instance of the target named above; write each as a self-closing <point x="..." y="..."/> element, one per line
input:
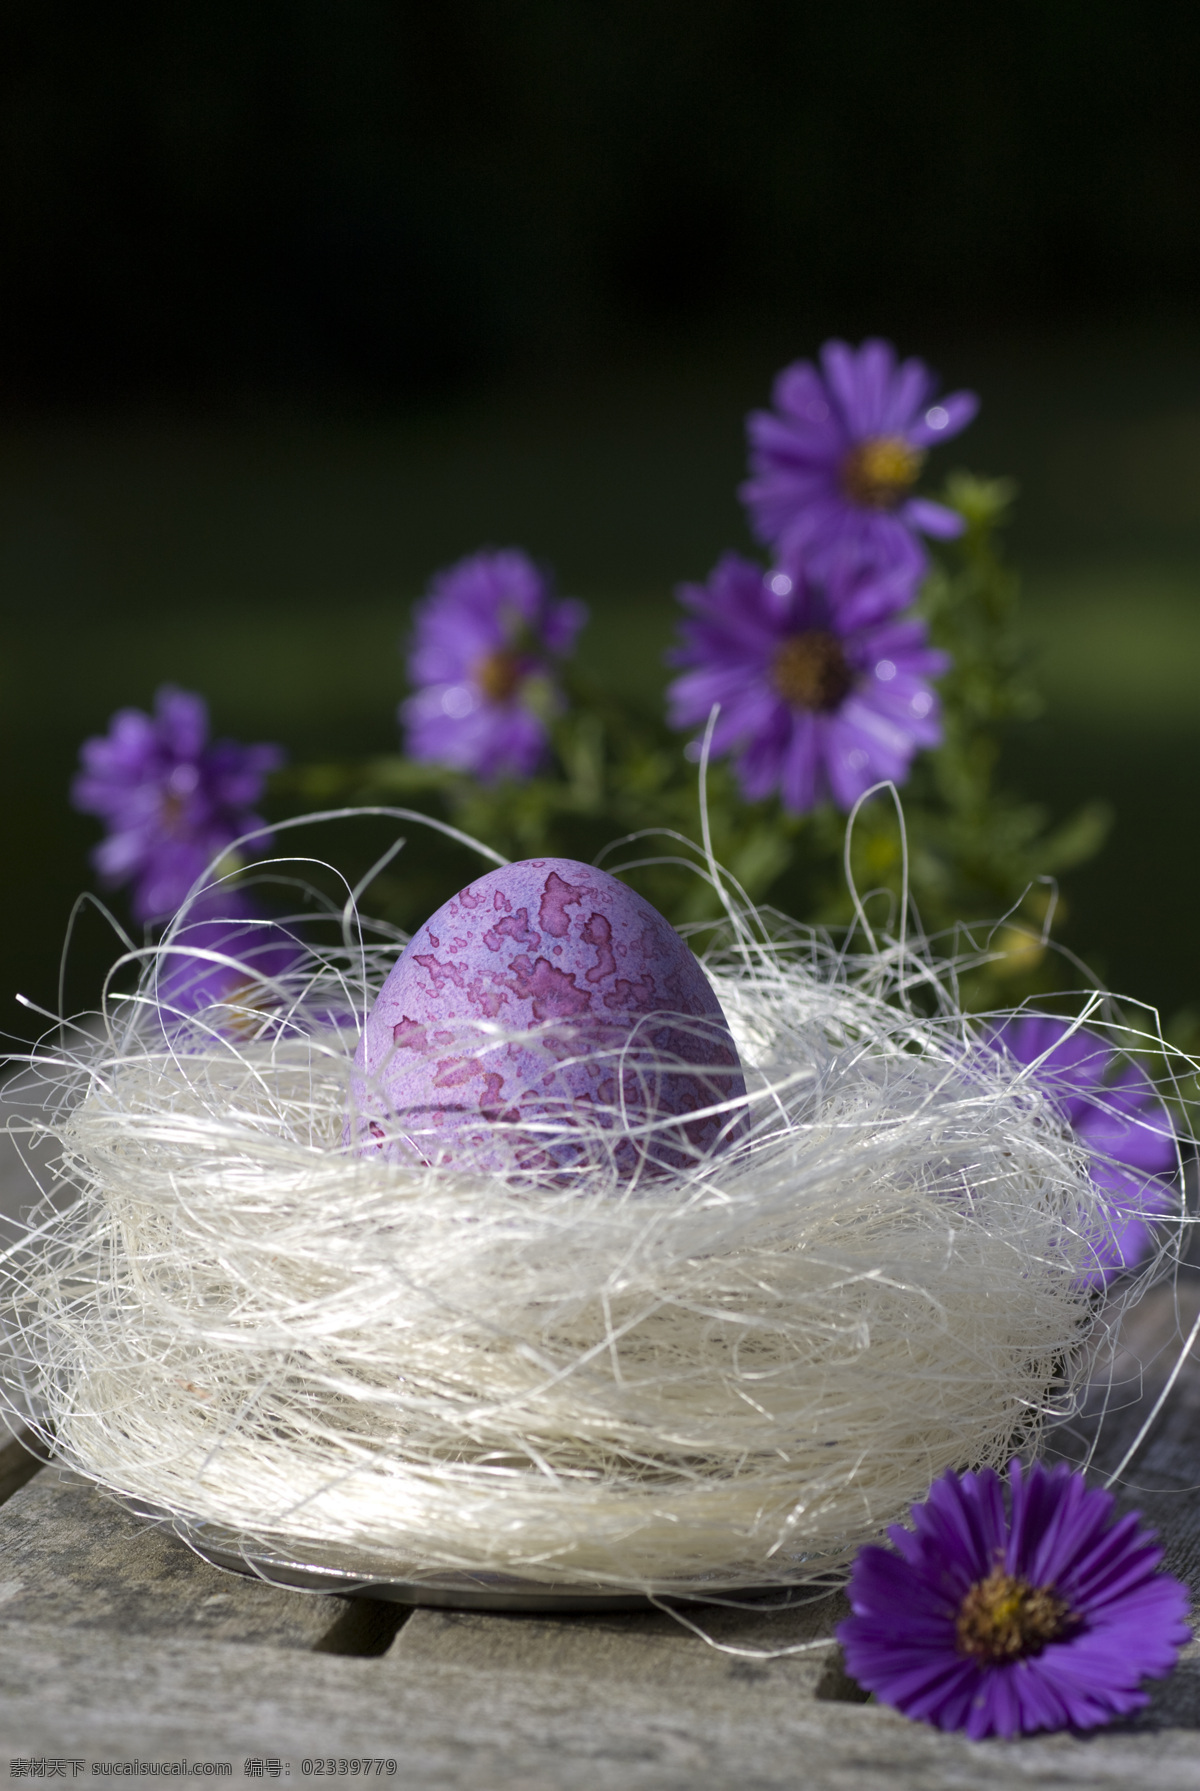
<point x="730" y="1377"/>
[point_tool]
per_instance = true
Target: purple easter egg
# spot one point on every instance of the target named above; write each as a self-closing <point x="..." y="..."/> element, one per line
<point x="547" y="1019"/>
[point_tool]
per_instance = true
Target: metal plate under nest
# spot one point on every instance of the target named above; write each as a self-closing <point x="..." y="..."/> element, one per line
<point x="454" y="1591"/>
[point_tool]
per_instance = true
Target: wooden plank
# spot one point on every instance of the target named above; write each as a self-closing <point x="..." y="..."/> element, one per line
<point x="487" y="1730"/>
<point x="635" y="1648"/>
<point x="72" y="1558"/>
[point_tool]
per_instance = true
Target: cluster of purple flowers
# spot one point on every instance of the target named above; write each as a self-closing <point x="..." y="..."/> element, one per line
<point x="823" y="688"/>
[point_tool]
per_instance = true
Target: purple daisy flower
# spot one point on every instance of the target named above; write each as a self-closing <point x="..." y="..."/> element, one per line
<point x="1000" y="1616"/>
<point x="1111" y="1105"/>
<point x="223" y="951"/>
<point x="486" y="642"/>
<point x="833" y="464"/>
<point x="822" y="691"/>
<point x="173" y="801"/>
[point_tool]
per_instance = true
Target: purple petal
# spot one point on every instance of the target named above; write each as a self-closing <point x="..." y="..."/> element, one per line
<point x="861" y="596"/>
<point x="839" y="364"/>
<point x="861" y="383"/>
<point x="760" y="764"/>
<point x="182" y="721"/>
<point x="933" y="519"/>
<point x="943" y="419"/>
<point x="799" y="788"/>
<point x="911" y="386"/>
<point x="562" y="625"/>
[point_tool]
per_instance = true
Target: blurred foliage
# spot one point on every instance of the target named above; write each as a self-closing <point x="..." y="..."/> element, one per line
<point x="620" y="789"/>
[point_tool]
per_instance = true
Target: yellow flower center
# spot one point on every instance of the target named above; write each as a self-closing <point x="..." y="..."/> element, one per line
<point x="878" y="471"/>
<point x="1005" y="1618"/>
<point x="810" y="670"/>
<point x="498" y="675"/>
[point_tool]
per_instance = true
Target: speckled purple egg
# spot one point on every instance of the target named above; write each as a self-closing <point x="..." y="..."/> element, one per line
<point x="547" y="1019"/>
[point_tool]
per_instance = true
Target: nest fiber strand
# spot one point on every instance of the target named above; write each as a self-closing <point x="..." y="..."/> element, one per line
<point x="728" y="1377"/>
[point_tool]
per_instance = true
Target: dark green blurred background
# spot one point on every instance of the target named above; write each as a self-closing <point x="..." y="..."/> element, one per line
<point x="303" y="300"/>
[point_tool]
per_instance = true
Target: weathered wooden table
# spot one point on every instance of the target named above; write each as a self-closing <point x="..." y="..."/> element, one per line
<point x="117" y="1644"/>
